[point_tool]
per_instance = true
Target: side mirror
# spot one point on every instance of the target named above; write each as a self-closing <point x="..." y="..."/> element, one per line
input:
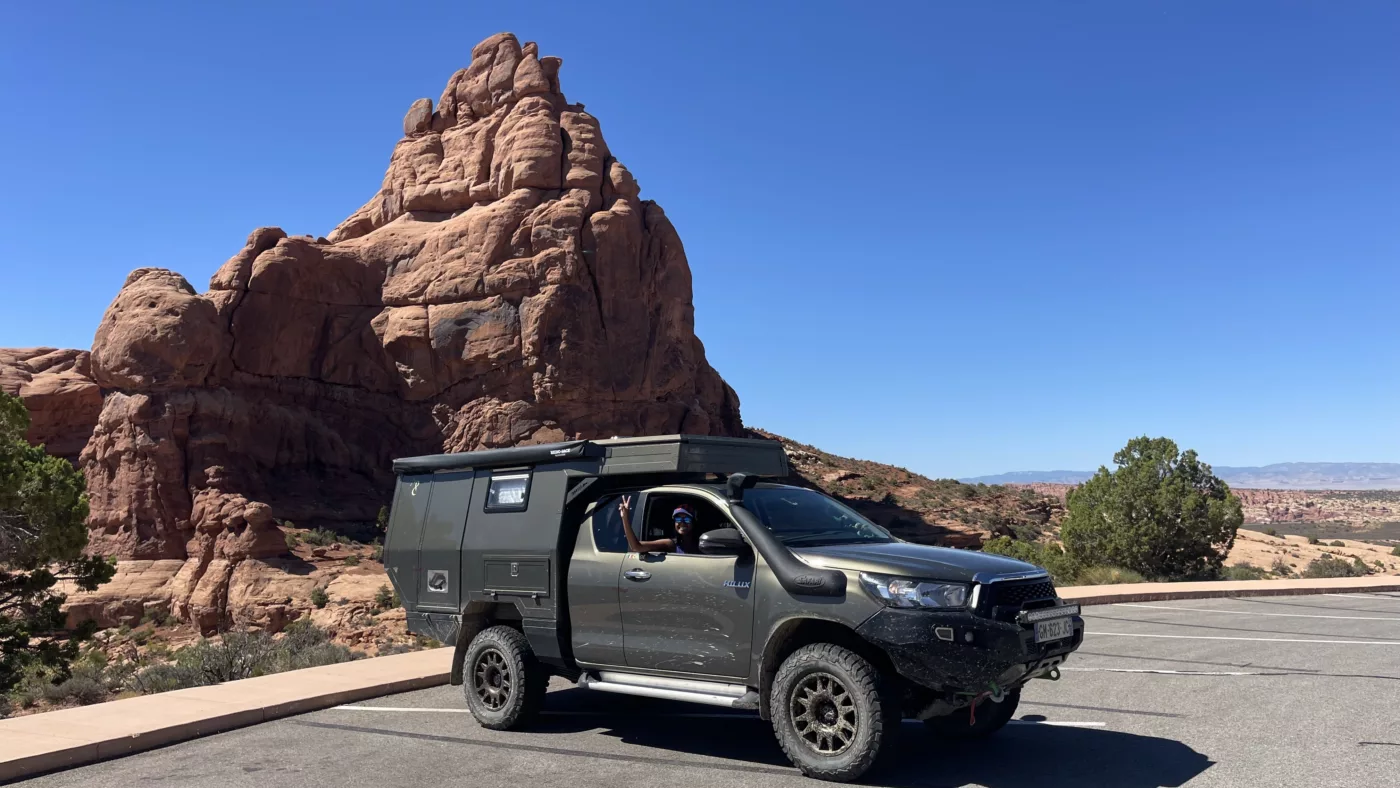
<point x="737" y="483"/>
<point x="722" y="541"/>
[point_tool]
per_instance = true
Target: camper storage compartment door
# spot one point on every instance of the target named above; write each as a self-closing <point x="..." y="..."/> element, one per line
<point x="516" y="574"/>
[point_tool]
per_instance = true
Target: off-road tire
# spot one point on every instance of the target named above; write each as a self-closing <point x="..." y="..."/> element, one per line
<point x="503" y="682"/>
<point x="834" y="714"/>
<point x="991" y="717"/>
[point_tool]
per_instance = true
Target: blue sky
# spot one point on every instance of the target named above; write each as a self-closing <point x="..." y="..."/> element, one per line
<point x="962" y="237"/>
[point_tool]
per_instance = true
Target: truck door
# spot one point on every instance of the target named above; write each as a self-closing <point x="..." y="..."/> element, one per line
<point x="595" y="617"/>
<point x="686" y="613"/>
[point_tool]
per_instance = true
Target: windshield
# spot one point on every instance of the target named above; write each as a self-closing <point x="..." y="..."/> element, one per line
<point x="804" y="518"/>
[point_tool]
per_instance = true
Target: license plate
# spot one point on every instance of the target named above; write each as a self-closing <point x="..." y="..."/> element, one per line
<point x="1054" y="629"/>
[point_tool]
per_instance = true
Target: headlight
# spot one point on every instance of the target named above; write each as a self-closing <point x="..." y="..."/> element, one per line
<point x="907" y="592"/>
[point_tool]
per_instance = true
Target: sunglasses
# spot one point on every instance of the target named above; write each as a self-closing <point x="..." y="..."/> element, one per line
<point x="683" y="518"/>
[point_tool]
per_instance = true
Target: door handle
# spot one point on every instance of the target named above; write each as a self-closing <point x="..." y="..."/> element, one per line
<point x="637" y="574"/>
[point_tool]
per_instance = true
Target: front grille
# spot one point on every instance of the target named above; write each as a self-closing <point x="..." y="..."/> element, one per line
<point x="1004" y="600"/>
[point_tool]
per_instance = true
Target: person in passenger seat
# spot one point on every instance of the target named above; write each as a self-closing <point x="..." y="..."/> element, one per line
<point x="683" y="518"/>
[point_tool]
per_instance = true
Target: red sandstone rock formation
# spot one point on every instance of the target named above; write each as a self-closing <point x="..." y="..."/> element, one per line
<point x="506" y="285"/>
<point x="57" y="387"/>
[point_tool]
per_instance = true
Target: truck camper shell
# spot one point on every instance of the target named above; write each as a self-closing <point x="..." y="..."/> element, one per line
<point x="494" y="529"/>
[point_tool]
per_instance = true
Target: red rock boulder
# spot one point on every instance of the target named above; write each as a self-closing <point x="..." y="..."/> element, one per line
<point x="506" y="284"/>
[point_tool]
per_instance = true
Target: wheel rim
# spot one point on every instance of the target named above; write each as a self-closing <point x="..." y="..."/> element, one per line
<point x="492" y="679"/>
<point x="824" y="714"/>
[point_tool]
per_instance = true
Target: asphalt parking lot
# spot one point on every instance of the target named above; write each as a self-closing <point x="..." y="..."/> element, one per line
<point x="1274" y="691"/>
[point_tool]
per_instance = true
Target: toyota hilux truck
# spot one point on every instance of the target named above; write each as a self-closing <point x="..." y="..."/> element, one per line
<point x="793" y="606"/>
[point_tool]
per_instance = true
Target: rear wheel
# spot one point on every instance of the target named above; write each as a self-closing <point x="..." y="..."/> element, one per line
<point x="503" y="682"/>
<point x="991" y="717"/>
<point x="834" y="714"/>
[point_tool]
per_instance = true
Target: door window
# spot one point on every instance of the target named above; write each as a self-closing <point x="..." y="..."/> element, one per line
<point x="607" y="525"/>
<point x="660" y="523"/>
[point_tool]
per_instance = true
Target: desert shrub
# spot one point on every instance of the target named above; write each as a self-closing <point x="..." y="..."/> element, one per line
<point x="377" y="553"/>
<point x="304" y="645"/>
<point x="88" y="679"/>
<point x="1281" y="568"/>
<point x="1244" y="572"/>
<point x="383" y="598"/>
<point x="164" y="678"/>
<point x="241" y="655"/>
<point x="320" y="537"/>
<point x="1271" y="532"/>
<point x="31" y="685"/>
<point x="382" y="521"/>
<point x="1314" y="540"/>
<point x="1050" y="557"/>
<point x="1332" y="566"/>
<point x="1161" y="513"/>
<point x="319" y="598"/>
<point x="1338" y="543"/>
<point x="82" y="690"/>
<point x="292" y="540"/>
<point x="1395" y="551"/>
<point x="389" y="649"/>
<point x="237" y="655"/>
<point x="352" y="560"/>
<point x="1106" y="575"/>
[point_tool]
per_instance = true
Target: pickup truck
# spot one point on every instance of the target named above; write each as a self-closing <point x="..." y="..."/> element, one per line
<point x="787" y="601"/>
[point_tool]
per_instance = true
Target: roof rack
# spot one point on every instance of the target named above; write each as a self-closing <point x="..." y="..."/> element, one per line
<point x="615" y="456"/>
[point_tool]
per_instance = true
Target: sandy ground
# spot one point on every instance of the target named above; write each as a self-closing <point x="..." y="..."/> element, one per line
<point x="1261" y="550"/>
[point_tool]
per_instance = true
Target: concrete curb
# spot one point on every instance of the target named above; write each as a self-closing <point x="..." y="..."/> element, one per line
<point x="63" y="739"/>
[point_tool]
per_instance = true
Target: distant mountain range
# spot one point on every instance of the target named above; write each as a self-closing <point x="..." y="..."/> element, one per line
<point x="1279" y="476"/>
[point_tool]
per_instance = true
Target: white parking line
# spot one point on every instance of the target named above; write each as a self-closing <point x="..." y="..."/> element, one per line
<point x="1252" y="613"/>
<point x="1168" y="672"/>
<point x="1058" y="724"/>
<point x="397" y="708"/>
<point x="1372" y="597"/>
<point x="1256" y="640"/>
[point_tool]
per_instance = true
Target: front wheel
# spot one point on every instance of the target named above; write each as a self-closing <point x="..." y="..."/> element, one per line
<point x="991" y="717"/>
<point x="504" y="683"/>
<point x="833" y="712"/>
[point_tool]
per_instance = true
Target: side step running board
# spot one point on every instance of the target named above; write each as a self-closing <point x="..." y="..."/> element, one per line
<point x="710" y="693"/>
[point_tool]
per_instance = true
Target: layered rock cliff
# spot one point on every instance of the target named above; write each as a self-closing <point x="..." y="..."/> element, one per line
<point x="57" y="387"/>
<point x="506" y="285"/>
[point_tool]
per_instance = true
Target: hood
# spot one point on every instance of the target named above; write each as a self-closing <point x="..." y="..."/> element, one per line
<point x="912" y="560"/>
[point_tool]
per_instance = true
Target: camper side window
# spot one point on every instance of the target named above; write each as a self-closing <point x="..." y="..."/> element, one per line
<point x="508" y="493"/>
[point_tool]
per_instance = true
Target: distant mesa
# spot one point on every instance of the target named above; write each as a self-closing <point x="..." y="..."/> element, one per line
<point x="1032" y="477"/>
<point x="1279" y="476"/>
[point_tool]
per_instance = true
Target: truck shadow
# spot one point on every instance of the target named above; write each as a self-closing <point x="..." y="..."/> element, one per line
<point x="1022" y="755"/>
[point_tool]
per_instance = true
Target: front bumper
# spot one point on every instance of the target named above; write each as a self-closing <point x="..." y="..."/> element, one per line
<point x="911" y="639"/>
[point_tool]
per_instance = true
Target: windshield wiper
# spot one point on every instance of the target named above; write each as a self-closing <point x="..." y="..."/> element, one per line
<point x="841" y="536"/>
